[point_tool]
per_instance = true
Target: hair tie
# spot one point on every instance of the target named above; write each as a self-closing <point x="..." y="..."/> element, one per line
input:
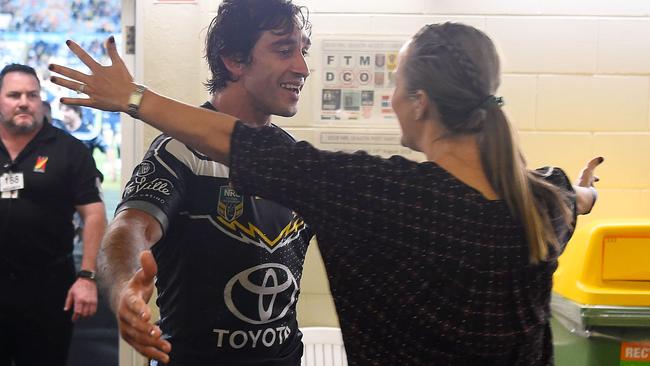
<point x="491" y="101"/>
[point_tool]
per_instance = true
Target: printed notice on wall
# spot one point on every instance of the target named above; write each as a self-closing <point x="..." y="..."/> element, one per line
<point x="358" y="80"/>
<point x="385" y="144"/>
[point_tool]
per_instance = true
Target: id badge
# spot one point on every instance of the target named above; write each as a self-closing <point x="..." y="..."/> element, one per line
<point x="11" y="182"/>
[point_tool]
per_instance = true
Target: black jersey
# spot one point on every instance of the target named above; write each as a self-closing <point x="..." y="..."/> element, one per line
<point x="229" y="265"/>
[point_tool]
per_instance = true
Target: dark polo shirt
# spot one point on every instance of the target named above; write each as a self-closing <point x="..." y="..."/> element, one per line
<point x="36" y="229"/>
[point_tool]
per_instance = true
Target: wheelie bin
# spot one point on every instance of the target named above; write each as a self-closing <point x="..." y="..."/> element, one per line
<point x="601" y="296"/>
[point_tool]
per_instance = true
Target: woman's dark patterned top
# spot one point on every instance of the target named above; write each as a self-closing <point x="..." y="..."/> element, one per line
<point x="424" y="270"/>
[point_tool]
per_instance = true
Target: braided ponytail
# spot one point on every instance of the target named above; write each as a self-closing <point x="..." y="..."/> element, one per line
<point x="458" y="67"/>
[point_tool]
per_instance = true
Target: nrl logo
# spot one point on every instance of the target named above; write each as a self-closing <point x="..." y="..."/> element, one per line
<point x="231" y="203"/>
<point x="145" y="168"/>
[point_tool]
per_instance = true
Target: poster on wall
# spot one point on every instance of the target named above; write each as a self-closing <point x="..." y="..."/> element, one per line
<point x="357" y="80"/>
<point x="380" y="141"/>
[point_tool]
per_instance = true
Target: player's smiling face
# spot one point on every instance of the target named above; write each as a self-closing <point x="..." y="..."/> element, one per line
<point x="277" y="72"/>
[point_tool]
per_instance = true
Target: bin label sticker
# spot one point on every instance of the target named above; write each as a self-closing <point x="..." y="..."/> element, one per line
<point x="635" y="354"/>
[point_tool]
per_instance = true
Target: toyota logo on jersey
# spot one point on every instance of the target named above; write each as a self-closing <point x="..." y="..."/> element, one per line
<point x="261" y="294"/>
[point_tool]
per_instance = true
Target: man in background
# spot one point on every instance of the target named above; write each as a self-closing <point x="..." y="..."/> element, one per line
<point x="46" y="175"/>
<point x="73" y="123"/>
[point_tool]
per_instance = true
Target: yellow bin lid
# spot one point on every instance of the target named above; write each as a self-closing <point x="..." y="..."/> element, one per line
<point x="607" y="263"/>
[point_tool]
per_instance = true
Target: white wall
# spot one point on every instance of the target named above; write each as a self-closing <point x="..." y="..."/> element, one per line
<point x="576" y="83"/>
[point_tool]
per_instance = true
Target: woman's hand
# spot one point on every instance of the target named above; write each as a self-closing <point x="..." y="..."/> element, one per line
<point x="108" y="87"/>
<point x="587" y="177"/>
<point x="586" y="194"/>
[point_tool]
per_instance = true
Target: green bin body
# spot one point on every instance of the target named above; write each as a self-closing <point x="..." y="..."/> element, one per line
<point x="592" y="335"/>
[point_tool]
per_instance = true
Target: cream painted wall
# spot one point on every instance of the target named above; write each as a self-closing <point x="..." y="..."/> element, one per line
<point x="576" y="83"/>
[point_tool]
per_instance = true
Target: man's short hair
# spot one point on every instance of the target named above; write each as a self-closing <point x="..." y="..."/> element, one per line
<point x="18" y="68"/>
<point x="237" y="28"/>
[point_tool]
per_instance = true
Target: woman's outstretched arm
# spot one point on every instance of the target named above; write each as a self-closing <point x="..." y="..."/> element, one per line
<point x="586" y="193"/>
<point x="110" y="87"/>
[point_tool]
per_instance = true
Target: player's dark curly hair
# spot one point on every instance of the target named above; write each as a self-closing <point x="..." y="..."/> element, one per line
<point x="238" y="26"/>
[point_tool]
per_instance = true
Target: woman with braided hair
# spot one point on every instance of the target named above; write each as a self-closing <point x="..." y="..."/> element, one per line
<point x="444" y="262"/>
